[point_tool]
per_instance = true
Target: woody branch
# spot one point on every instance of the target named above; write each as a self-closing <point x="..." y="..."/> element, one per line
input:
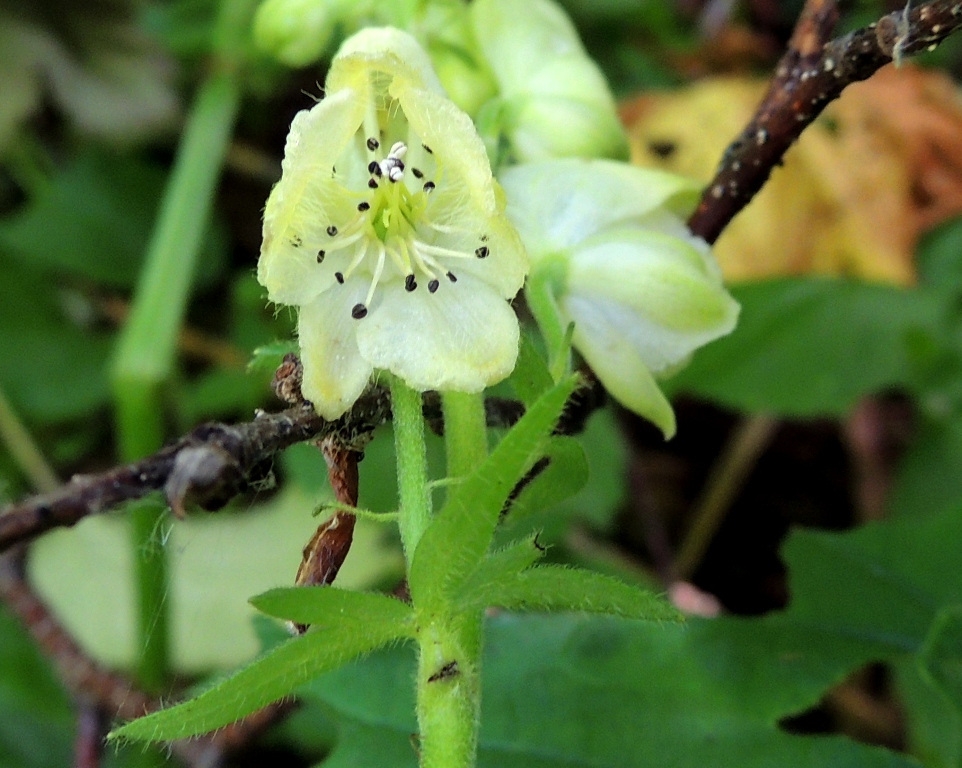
<point x="813" y="72"/>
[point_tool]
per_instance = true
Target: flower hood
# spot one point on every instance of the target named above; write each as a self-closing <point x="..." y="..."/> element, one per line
<point x="643" y="292"/>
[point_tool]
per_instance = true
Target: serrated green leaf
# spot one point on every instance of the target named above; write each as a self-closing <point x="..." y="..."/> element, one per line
<point x="456" y="540"/>
<point x="503" y="564"/>
<point x="326" y="606"/>
<point x="559" y="588"/>
<point x="276" y="674"/>
<point x="565" y="474"/>
<point x="809" y="346"/>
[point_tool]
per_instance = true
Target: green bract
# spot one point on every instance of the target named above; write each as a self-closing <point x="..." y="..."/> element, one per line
<point x="388" y="231"/>
<point x="556" y="102"/>
<point x="642" y="291"/>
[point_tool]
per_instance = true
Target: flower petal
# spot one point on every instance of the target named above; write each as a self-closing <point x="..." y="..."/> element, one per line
<point x="463" y="337"/>
<point x="672" y="298"/>
<point x="467" y="196"/>
<point x="618" y="364"/>
<point x="381" y="49"/>
<point x="335" y="373"/>
<point x="557" y="204"/>
<point x="307" y="199"/>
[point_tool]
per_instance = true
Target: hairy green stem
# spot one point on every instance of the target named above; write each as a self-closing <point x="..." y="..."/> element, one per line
<point x="465" y="432"/>
<point x="414" y="512"/>
<point x="449" y="690"/>
<point x="146" y="350"/>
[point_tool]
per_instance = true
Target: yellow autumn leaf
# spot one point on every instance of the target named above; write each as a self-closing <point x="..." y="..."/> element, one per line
<point x="875" y="170"/>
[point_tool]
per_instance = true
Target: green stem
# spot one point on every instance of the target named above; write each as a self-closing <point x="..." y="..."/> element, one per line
<point x="539" y="294"/>
<point x="449" y="691"/>
<point x="465" y="432"/>
<point x="16" y="437"/>
<point x="414" y="512"/>
<point x="146" y="350"/>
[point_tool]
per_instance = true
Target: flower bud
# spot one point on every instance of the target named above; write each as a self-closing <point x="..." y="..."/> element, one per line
<point x="295" y="32"/>
<point x="557" y="103"/>
<point x="465" y="80"/>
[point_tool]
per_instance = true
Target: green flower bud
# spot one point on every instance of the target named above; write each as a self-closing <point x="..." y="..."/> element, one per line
<point x="295" y="32"/>
<point x="557" y="102"/>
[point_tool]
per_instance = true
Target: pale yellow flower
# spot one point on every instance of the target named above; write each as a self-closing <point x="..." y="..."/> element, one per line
<point x="388" y="231"/>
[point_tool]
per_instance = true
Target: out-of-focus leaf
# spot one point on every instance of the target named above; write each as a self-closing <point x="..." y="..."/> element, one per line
<point x="933" y="724"/>
<point x="567" y="691"/>
<point x="807" y="347"/>
<point x="51" y="368"/>
<point x="36" y="722"/>
<point x="94" y="219"/>
<point x="939" y="258"/>
<point x="941" y="656"/>
<point x="928" y="478"/>
<point x="220" y="393"/>
<point x="100" y="68"/>
<point x="217" y="561"/>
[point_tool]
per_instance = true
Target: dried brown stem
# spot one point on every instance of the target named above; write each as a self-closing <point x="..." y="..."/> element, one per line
<point x="812" y="73"/>
<point x="208" y="466"/>
<point x="89" y="742"/>
<point x="215" y="462"/>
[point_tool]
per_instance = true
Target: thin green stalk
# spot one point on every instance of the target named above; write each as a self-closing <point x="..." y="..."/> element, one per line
<point x="449" y="691"/>
<point x="414" y="513"/>
<point x="465" y="432"/>
<point x="539" y="294"/>
<point x="16" y="437"/>
<point x="146" y="350"/>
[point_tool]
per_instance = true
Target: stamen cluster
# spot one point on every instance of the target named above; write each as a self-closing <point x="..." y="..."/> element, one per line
<point x="393" y="223"/>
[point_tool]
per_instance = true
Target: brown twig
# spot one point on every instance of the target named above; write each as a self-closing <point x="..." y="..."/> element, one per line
<point x="89" y="742"/>
<point x="812" y="73"/>
<point x="208" y="466"/>
<point x="215" y="462"/>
